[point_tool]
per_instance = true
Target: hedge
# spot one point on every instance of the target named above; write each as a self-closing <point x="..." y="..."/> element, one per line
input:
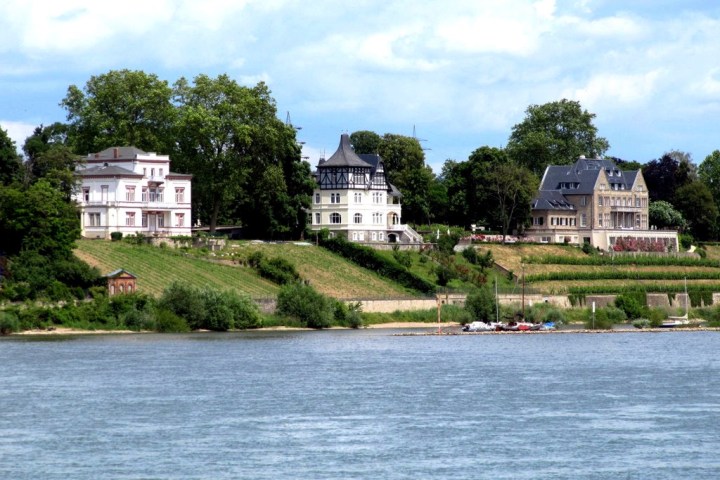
<point x="368" y="258"/>
<point x="599" y="260"/>
<point x="621" y="275"/>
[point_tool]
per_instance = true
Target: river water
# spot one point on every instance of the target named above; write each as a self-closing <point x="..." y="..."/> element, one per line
<point x="361" y="405"/>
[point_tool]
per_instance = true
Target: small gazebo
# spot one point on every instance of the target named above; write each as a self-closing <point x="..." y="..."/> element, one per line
<point x="120" y="281"/>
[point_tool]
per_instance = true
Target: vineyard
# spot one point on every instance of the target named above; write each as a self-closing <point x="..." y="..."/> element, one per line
<point x="157" y="267"/>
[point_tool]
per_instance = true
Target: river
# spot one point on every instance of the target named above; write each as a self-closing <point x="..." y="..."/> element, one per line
<point x="360" y="405"/>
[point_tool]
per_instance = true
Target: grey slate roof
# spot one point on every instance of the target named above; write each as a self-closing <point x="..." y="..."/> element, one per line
<point x="123" y="152"/>
<point x="107" y="170"/>
<point x="118" y="272"/>
<point x="373" y="159"/>
<point x="577" y="179"/>
<point x="344" y="156"/>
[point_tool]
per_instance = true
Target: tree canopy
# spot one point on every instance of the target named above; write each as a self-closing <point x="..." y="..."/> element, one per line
<point x="9" y="159"/>
<point x="121" y="107"/>
<point x="555" y="133"/>
<point x="241" y="155"/>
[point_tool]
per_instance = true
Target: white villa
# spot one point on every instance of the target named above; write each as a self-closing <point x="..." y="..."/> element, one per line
<point x="124" y="189"/>
<point x="353" y="199"/>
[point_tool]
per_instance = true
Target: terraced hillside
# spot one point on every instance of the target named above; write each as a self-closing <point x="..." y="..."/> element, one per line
<point x="156" y="268"/>
<point x="557" y="269"/>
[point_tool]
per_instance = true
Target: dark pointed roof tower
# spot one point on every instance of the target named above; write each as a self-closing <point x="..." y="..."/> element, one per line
<point x="344" y="156"/>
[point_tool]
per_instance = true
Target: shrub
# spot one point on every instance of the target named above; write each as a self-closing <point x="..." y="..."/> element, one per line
<point x="278" y="270"/>
<point x="217" y="315"/>
<point x="255" y="258"/>
<point x="167" y="321"/>
<point x="554" y="315"/>
<point x="245" y="312"/>
<point x="470" y="254"/>
<point x="185" y="301"/>
<point x="656" y="316"/>
<point x="116" y="236"/>
<point x="601" y="321"/>
<point x="629" y="305"/>
<point x="303" y="303"/>
<point x="686" y="240"/>
<point x="8" y="323"/>
<point x="481" y="304"/>
<point x="402" y="257"/>
<point x="368" y="258"/>
<point x="615" y="314"/>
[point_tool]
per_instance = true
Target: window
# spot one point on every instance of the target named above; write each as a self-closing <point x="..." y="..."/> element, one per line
<point x="335" y="218"/>
<point x="152" y="172"/>
<point x="130" y="219"/>
<point x="381" y="236"/>
<point x="160" y="220"/>
<point x="179" y="195"/>
<point x="358" y="197"/>
<point x="317" y="198"/>
<point x="361" y="236"/>
<point x="359" y="178"/>
<point x="600" y="201"/>
<point x="104" y="193"/>
<point x="144" y="172"/>
<point x="583" y="219"/>
<point x="86" y="194"/>
<point x="317" y="219"/>
<point x="357" y="218"/>
<point x="538" y="220"/>
<point x="600" y="219"/>
<point x="161" y="172"/>
<point x="377" y="219"/>
<point x="144" y="194"/>
<point x="179" y="219"/>
<point x="607" y="220"/>
<point x="373" y="235"/>
<point x="94" y="219"/>
<point x="377" y="197"/>
<point x="583" y="201"/>
<point x="144" y="219"/>
<point x="355" y="236"/>
<point x="334" y="198"/>
<point x="130" y="194"/>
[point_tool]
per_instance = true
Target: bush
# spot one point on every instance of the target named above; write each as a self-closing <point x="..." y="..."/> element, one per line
<point x="278" y="270"/>
<point x="245" y="312"/>
<point x="167" y="321"/>
<point x="470" y="254"/>
<point x="8" y="323"/>
<point x="303" y="303"/>
<point x="686" y="240"/>
<point x="348" y="315"/>
<point x="601" y="320"/>
<point x="481" y="304"/>
<point x="116" y="236"/>
<point x="186" y="302"/>
<point x="402" y="257"/>
<point x="368" y="258"/>
<point x="630" y="306"/>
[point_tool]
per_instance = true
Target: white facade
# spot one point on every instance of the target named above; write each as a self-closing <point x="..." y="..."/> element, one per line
<point x="124" y="189"/>
<point x="353" y="199"/>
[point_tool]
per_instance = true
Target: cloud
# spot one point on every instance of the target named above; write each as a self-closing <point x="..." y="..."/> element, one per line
<point x="18" y="131"/>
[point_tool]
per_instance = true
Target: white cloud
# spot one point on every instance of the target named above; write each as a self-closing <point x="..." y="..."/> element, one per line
<point x="18" y="131"/>
<point x="619" y="90"/>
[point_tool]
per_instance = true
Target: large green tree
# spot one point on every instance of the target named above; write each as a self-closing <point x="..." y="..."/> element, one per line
<point x="555" y="133"/>
<point x="664" y="215"/>
<point x="709" y="174"/>
<point x="10" y="161"/>
<point x="245" y="162"/>
<point x="365" y="141"/>
<point x="694" y="200"/>
<point x="121" y="107"/>
<point x="512" y="188"/>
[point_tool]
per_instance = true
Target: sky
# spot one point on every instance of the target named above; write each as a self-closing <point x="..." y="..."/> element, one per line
<point x="459" y="74"/>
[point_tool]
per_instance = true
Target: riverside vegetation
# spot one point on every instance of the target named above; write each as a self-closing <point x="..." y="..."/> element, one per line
<point x="220" y="290"/>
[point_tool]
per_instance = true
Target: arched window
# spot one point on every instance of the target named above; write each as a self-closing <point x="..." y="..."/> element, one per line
<point x="129" y="288"/>
<point x="112" y="289"/>
<point x="335" y="218"/>
<point x="394" y="219"/>
<point x="357" y="218"/>
<point x="122" y="288"/>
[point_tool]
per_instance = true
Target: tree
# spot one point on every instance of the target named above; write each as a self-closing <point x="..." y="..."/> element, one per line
<point x="57" y="165"/>
<point x="43" y="138"/>
<point x="481" y="304"/>
<point x="10" y="161"/>
<point x="405" y="168"/>
<point x="38" y="218"/>
<point x="244" y="160"/>
<point x="121" y="107"/>
<point x="555" y="133"/>
<point x="666" y="174"/>
<point x="709" y="174"/>
<point x="513" y="187"/>
<point x="663" y="215"/>
<point x="365" y="141"/>
<point x="695" y="202"/>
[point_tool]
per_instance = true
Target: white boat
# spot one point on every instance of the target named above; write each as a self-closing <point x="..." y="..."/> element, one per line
<point x="673" y="322"/>
<point x="479" y="327"/>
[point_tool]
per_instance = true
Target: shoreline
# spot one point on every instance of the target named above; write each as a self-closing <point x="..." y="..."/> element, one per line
<point x="444" y="328"/>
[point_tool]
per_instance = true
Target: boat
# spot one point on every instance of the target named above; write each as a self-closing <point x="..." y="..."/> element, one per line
<point x="673" y="322"/>
<point x="478" y="327"/>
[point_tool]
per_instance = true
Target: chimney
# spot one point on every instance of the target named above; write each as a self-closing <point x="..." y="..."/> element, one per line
<point x="116" y="152"/>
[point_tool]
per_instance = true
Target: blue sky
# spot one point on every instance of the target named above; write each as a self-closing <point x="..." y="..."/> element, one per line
<point x="462" y="72"/>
